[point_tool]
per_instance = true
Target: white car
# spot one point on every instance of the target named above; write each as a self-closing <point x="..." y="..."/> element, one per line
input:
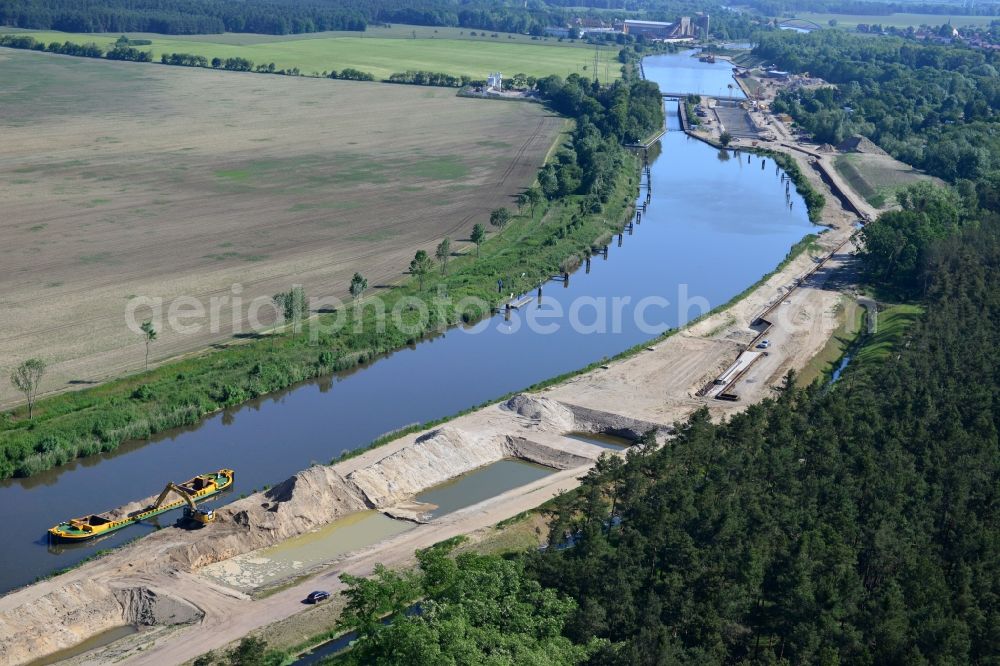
<point x="763" y="344"/>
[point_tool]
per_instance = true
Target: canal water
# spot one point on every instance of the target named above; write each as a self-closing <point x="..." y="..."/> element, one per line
<point x="684" y="73"/>
<point x="715" y="224"/>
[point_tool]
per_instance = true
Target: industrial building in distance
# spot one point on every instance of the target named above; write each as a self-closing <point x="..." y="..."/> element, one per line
<point x="685" y="28"/>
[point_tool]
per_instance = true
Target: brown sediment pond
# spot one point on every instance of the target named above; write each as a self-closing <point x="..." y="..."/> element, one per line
<point x="298" y="555"/>
<point x="102" y="639"/>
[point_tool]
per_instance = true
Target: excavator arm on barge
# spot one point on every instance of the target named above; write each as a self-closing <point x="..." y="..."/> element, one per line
<point x="192" y="513"/>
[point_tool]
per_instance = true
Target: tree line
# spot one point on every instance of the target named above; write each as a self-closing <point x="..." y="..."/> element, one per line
<point x="424" y="78"/>
<point x="872" y="8"/>
<point x="277" y="17"/>
<point x="932" y="106"/>
<point x="280" y="17"/>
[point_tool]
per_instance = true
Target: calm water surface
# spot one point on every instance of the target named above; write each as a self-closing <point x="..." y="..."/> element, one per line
<point x="715" y="224"/>
<point x="481" y="484"/>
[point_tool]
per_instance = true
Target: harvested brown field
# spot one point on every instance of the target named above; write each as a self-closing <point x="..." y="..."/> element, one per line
<point x="122" y="180"/>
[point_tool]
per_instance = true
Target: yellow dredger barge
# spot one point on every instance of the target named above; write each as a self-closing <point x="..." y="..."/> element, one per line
<point x="197" y="489"/>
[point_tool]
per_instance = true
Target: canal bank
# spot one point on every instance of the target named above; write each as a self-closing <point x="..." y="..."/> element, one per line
<point x="654" y="387"/>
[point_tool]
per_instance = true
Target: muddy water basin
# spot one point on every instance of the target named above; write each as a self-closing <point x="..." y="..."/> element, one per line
<point x="612" y="442"/>
<point x="300" y="554"/>
<point x="479" y="485"/>
<point x="102" y="639"/>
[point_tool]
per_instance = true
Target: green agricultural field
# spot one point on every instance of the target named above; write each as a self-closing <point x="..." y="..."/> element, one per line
<point x="896" y="20"/>
<point x="381" y="51"/>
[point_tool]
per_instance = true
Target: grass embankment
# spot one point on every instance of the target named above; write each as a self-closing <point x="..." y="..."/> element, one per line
<point x="312" y="54"/>
<point x="859" y="183"/>
<point x="851" y="338"/>
<point x="529" y="251"/>
<point x="891" y="326"/>
<point x="878" y="178"/>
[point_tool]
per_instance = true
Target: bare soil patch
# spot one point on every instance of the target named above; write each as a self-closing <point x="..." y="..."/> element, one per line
<point x="122" y="180"/>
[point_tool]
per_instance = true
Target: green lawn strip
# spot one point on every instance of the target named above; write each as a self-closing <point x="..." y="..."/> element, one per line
<point x="892" y="324"/>
<point x="180" y="393"/>
<point x="380" y="56"/>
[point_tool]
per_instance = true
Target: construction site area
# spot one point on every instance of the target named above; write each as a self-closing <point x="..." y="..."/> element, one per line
<point x="247" y="566"/>
<point x="189" y="591"/>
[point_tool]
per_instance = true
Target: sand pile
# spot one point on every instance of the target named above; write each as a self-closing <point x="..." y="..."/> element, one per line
<point x="83" y="608"/>
<point x="551" y="413"/>
<point x="434" y="458"/>
<point x="313" y="497"/>
<point x="860" y="144"/>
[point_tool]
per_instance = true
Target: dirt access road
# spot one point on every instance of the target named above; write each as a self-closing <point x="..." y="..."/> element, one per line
<point x="124" y="180"/>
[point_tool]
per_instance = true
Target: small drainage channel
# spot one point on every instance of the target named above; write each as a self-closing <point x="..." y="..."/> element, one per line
<point x="297" y="555"/>
<point x="840" y="368"/>
<point x="106" y="637"/>
<point x="481" y="484"/>
<point x="605" y="441"/>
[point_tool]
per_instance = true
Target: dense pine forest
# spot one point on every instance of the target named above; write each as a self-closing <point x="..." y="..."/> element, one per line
<point x="875" y="7"/>
<point x="277" y="17"/>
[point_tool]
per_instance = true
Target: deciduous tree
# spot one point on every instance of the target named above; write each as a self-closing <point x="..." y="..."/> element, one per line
<point x="421" y="266"/>
<point x="292" y="306"/>
<point x="499" y="218"/>
<point x="26" y="378"/>
<point x="358" y="286"/>
<point x="149" y="335"/>
<point x="442" y="253"/>
<point x="478" y="236"/>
